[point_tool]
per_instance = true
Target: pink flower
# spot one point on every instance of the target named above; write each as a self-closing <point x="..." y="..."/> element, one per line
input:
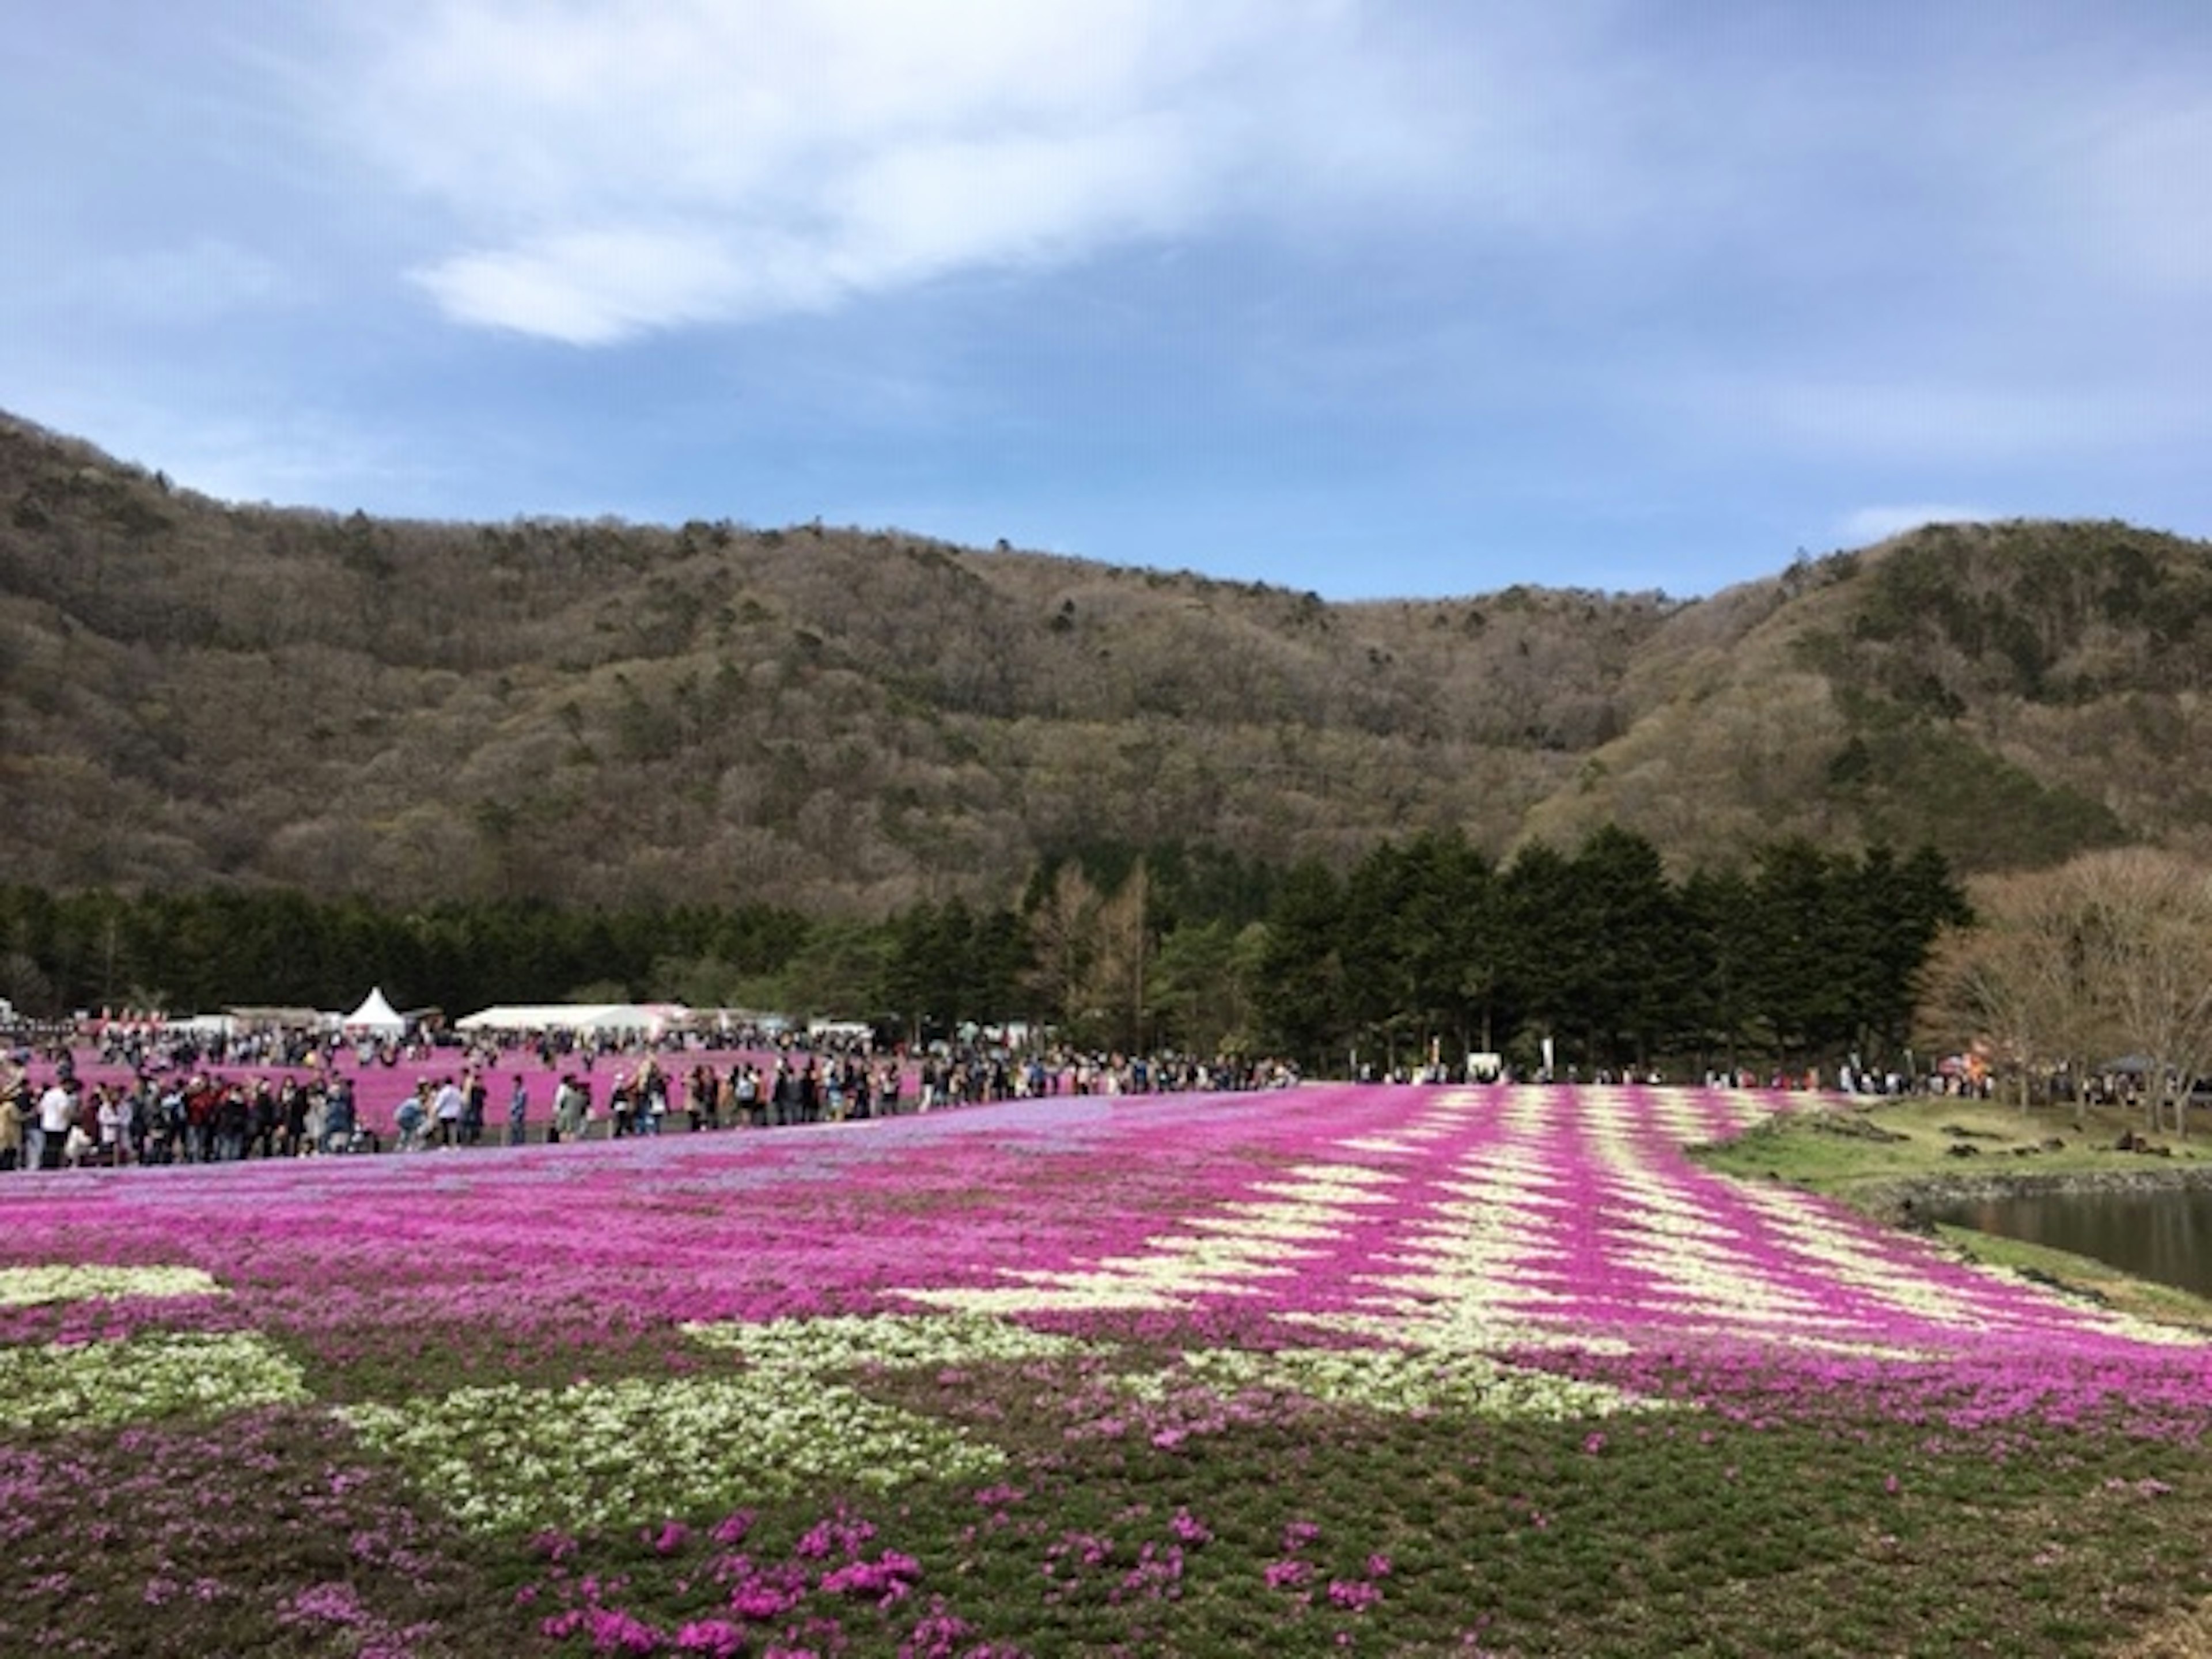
<point x="1353" y="1594"/>
<point x="716" y="1638"/>
<point x="730" y="1531"/>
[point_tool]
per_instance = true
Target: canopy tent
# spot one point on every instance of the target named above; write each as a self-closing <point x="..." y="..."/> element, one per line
<point x="203" y="1025"/>
<point x="652" y="1019"/>
<point x="375" y="1017"/>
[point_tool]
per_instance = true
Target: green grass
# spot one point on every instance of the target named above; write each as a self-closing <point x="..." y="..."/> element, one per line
<point x="1867" y="1157"/>
<point x="1852" y="1149"/>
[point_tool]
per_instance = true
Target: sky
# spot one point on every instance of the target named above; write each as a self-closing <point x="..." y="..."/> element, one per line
<point x="1408" y="298"/>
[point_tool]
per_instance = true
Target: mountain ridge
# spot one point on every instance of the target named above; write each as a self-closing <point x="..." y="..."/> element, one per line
<point x="848" y="720"/>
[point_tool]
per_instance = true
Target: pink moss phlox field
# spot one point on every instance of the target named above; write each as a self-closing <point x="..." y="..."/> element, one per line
<point x="1563" y="1229"/>
<point x="1235" y="1268"/>
<point x="832" y="1579"/>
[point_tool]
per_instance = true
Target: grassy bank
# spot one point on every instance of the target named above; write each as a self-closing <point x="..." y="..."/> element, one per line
<point x="1893" y="1158"/>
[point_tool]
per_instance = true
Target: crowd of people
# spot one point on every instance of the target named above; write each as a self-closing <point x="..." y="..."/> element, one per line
<point x="177" y="1105"/>
<point x="200" y="1119"/>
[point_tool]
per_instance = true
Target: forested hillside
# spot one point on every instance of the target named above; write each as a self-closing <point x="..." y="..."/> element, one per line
<point x="848" y="722"/>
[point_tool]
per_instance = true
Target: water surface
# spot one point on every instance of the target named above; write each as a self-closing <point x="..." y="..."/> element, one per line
<point x="2161" y="1235"/>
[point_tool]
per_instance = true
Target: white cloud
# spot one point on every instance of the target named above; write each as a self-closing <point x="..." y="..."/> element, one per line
<point x="773" y="156"/>
<point x="1877" y="524"/>
<point x="611" y="170"/>
<point x="590" y="287"/>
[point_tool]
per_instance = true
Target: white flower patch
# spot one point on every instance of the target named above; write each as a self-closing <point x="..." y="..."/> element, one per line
<point x="1849" y="1259"/>
<point x="1175" y="1280"/>
<point x="1225" y="1256"/>
<point x="2130" y="1328"/>
<point x="1261" y="1223"/>
<point x="1120" y="1296"/>
<point x="56" y="1385"/>
<point x="1496" y="1193"/>
<point x="1222" y="1258"/>
<point x="1229" y="1271"/>
<point x="508" y="1458"/>
<point x="1492" y="1277"/>
<point x="25" y="1287"/>
<point x="1232" y="1250"/>
<point x="1346" y="1175"/>
<point x="1684" y="1124"/>
<point x="1396" y="1381"/>
<point x="883" y="1342"/>
<point x="1326" y="1193"/>
<point x="1720" y="1286"/>
<point x="1463" y="1328"/>
<point x="1420" y="1131"/>
<point x="1691" y="1229"/>
<point x="1485" y="1254"/>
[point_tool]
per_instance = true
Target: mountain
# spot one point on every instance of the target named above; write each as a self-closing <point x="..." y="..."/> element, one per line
<point x="196" y="692"/>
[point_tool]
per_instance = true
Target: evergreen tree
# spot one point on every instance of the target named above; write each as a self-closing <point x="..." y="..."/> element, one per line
<point x="1300" y="994"/>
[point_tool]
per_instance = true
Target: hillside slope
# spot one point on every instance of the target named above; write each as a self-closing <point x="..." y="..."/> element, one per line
<point x="849" y="721"/>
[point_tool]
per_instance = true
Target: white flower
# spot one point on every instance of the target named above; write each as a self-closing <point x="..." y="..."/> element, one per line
<point x="23" y="1287"/>
<point x="87" y="1384"/>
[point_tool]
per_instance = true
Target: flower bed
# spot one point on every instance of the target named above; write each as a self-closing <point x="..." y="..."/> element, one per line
<point x="1381" y="1366"/>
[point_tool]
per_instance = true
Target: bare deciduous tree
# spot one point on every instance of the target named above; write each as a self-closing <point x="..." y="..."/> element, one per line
<point x="1065" y="930"/>
<point x="2018" y="980"/>
<point x="2150" y="919"/>
<point x="2113" y="950"/>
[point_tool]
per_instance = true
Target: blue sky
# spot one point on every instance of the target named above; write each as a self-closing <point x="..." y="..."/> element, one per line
<point x="1393" y="299"/>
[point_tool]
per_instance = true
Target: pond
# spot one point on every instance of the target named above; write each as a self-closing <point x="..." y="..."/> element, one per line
<point x="2161" y="1235"/>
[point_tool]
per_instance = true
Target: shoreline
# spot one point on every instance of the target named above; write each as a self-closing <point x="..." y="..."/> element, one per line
<point x="1905" y="1201"/>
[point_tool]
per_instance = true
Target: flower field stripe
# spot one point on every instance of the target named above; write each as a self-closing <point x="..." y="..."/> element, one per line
<point x="26" y="1287"/>
<point x="1492" y="1219"/>
<point x="506" y="1458"/>
<point x="141" y="1379"/>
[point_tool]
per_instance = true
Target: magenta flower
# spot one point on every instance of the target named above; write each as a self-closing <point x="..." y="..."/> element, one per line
<point x="1353" y="1594"/>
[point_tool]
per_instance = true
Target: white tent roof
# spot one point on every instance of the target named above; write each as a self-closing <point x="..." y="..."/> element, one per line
<point x="374" y="1014"/>
<point x="571" y="1016"/>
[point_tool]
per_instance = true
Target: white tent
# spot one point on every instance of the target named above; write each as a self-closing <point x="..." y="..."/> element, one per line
<point x="374" y="1017"/>
<point x="652" y="1019"/>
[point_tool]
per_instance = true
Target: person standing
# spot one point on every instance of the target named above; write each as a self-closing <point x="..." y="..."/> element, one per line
<point x="570" y="1108"/>
<point x="338" y="1116"/>
<point x="57" y="1112"/>
<point x="474" y="1099"/>
<point x="446" y="1107"/>
<point x="11" y="1127"/>
<point x="292" y="1118"/>
<point x="518" y="1111"/>
<point x="114" y="1119"/>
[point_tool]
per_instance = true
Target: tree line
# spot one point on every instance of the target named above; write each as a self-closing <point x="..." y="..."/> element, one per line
<point x="1801" y="956"/>
<point x="2096" y="972"/>
<point x="1425" y="946"/>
